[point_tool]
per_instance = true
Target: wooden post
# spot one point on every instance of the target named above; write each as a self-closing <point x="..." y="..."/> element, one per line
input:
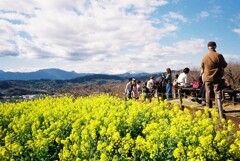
<point x="180" y="97"/>
<point x="220" y="109"/>
<point x="234" y="98"/>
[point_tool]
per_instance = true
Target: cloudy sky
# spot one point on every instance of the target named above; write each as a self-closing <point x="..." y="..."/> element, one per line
<point x="115" y="36"/>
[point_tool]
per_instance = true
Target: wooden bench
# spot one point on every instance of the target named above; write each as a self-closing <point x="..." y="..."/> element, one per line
<point x="182" y="89"/>
<point x="232" y="93"/>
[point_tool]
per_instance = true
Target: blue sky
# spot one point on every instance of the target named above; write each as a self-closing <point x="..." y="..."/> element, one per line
<point x="115" y="36"/>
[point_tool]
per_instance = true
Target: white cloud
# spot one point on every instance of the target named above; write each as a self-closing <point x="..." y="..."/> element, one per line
<point x="204" y="14"/>
<point x="236" y="30"/>
<point x="91" y="36"/>
<point x="175" y="1"/>
<point x="7" y="44"/>
<point x="24" y="6"/>
<point x="173" y="17"/>
<point x="8" y="49"/>
<point x="216" y="11"/>
<point x="236" y="19"/>
<point x="76" y="30"/>
<point x="176" y="63"/>
<point x="12" y="16"/>
<point x="192" y="46"/>
<point x="232" y="57"/>
<point x="23" y="69"/>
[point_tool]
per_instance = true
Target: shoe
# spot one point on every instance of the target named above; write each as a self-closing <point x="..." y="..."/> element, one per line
<point x="199" y="101"/>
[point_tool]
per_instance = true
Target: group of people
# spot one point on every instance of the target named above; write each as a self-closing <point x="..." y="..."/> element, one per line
<point x="133" y="89"/>
<point x="212" y="72"/>
<point x="164" y="86"/>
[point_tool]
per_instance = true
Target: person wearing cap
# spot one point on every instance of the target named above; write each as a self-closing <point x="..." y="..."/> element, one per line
<point x="213" y="65"/>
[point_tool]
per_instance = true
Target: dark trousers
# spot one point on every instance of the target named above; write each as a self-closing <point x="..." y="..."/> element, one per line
<point x="202" y="92"/>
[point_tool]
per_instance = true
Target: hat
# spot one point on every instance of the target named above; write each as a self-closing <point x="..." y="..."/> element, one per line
<point x="212" y="44"/>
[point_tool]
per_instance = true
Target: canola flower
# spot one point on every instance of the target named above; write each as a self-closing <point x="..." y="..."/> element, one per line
<point x="108" y="128"/>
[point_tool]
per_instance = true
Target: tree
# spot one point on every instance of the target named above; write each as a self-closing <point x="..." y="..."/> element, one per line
<point x="232" y="74"/>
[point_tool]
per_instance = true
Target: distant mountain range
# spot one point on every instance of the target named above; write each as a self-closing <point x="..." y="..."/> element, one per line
<point x="58" y="74"/>
<point x="53" y="74"/>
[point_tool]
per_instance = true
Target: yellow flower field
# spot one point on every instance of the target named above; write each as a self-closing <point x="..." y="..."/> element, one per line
<point x="108" y="128"/>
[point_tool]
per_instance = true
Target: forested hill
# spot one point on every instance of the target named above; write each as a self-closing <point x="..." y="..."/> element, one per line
<point x="48" y="86"/>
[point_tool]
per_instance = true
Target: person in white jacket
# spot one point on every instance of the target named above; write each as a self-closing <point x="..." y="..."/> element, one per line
<point x="150" y="86"/>
<point x="183" y="79"/>
<point x="151" y="83"/>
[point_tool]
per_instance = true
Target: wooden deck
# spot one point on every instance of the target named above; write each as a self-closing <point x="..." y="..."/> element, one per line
<point x="230" y="111"/>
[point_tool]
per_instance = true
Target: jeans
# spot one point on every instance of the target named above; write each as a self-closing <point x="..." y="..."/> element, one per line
<point x="169" y="90"/>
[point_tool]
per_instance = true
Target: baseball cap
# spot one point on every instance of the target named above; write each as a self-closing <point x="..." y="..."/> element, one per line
<point x="212" y="44"/>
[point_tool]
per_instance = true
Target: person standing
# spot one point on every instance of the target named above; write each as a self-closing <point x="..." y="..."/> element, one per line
<point x="161" y="86"/>
<point x="151" y="83"/>
<point x="151" y="87"/>
<point x="145" y="91"/>
<point x="169" y="83"/>
<point x="139" y="88"/>
<point x="128" y="89"/>
<point x="213" y="65"/>
<point x="135" y="93"/>
<point x="175" y="86"/>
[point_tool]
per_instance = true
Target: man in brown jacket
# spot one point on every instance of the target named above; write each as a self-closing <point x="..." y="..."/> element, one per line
<point x="213" y="65"/>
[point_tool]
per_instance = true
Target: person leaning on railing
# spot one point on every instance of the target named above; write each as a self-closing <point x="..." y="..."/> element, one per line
<point x="183" y="80"/>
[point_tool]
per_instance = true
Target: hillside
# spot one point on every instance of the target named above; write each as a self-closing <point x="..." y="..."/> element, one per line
<point x="47" y="86"/>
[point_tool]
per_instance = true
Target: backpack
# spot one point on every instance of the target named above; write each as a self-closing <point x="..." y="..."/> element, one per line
<point x="145" y="89"/>
<point x="164" y="82"/>
<point x="196" y="85"/>
<point x="161" y="84"/>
